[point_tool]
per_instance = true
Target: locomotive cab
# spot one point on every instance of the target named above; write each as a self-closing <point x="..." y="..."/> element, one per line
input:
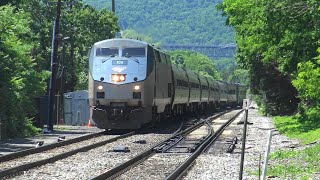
<point x="118" y="70"/>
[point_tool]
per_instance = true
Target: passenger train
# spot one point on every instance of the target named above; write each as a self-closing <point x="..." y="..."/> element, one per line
<point x="132" y="83"/>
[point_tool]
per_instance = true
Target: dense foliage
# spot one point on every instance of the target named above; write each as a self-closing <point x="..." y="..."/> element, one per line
<point x="173" y="22"/>
<point x="19" y="82"/>
<point x="307" y="84"/>
<point x="83" y="25"/>
<point x="273" y="37"/>
<point x="196" y="62"/>
<point x="25" y="53"/>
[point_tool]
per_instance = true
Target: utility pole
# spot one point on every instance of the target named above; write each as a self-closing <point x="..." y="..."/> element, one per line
<point x="53" y="68"/>
<point x="62" y="80"/>
<point x="73" y="80"/>
<point x="113" y="6"/>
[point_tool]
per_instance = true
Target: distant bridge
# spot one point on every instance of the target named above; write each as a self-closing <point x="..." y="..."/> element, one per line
<point x="228" y="50"/>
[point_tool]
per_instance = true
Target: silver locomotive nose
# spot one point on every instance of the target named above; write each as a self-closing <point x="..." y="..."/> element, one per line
<point x="112" y="94"/>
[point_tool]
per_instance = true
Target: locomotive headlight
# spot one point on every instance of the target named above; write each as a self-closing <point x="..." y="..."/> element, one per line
<point x="136" y="87"/>
<point x="100" y="87"/>
<point x="118" y="77"/>
<point x="122" y="78"/>
<point x="115" y="78"/>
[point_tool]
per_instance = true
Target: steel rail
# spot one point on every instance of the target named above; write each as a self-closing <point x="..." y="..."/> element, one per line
<point x="30" y="165"/>
<point x="222" y="128"/>
<point x="114" y="172"/>
<point x="48" y="147"/>
<point x="178" y="172"/>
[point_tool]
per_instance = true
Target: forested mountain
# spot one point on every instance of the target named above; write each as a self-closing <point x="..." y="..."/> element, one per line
<point x="172" y="21"/>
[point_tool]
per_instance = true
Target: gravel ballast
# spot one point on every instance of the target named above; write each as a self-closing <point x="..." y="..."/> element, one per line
<point x="227" y="166"/>
<point x="86" y="165"/>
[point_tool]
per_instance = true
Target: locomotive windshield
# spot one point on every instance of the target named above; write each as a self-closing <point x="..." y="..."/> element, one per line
<point x="119" y="61"/>
<point x="107" y="52"/>
<point x="134" y="52"/>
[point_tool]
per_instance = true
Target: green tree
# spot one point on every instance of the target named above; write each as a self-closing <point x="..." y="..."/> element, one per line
<point x="230" y="71"/>
<point x="19" y="81"/>
<point x="25" y="50"/>
<point x="196" y="62"/>
<point x="273" y="37"/>
<point x="10" y="2"/>
<point x="83" y="25"/>
<point x="307" y="84"/>
<point x="239" y="76"/>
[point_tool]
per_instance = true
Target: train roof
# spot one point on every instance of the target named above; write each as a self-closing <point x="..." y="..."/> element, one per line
<point x="122" y="41"/>
<point x="133" y="42"/>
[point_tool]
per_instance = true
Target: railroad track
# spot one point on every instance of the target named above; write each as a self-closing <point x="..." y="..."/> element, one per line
<point x="48" y="147"/>
<point x="88" y="164"/>
<point x="158" y="160"/>
<point x="16" y="163"/>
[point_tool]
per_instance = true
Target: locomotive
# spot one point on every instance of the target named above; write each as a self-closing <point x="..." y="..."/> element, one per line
<point x="132" y="83"/>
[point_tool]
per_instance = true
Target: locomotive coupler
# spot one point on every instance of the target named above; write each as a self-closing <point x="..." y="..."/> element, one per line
<point x="117" y="112"/>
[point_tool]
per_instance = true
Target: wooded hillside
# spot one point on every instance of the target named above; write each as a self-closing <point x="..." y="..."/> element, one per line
<point x="172" y="21"/>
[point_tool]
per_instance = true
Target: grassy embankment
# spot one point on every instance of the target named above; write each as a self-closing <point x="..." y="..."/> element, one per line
<point x="296" y="164"/>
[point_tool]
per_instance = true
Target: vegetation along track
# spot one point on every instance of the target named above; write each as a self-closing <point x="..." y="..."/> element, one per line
<point x="172" y="157"/>
<point x="21" y="161"/>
